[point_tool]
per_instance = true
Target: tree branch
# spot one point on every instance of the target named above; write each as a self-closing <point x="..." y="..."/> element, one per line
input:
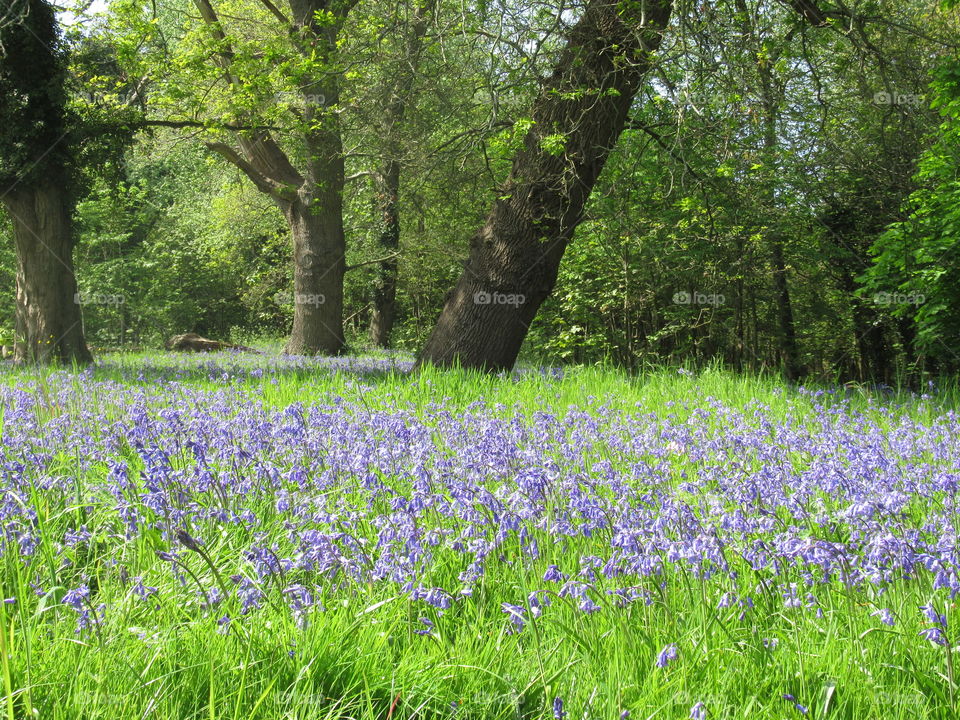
<point x="358" y="175"/>
<point x="810" y="11"/>
<point x="199" y="124"/>
<point x="658" y="139"/>
<point x="225" y="54"/>
<point x="276" y="172"/>
<point x="276" y="12"/>
<point x="263" y="183"/>
<point x="371" y="262"/>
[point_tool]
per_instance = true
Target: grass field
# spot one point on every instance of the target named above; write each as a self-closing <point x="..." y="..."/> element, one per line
<point x="244" y="537"/>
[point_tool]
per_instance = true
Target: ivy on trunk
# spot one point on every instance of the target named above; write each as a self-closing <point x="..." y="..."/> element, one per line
<point x="35" y="185"/>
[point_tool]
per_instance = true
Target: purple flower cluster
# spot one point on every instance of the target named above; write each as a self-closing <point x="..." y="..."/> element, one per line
<point x="250" y="506"/>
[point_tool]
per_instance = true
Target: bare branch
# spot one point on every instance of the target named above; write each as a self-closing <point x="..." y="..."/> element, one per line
<point x="276" y="12"/>
<point x="358" y="175"/>
<point x="372" y="262"/>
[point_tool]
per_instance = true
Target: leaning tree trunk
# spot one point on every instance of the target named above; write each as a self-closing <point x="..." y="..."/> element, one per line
<point x="577" y="118"/>
<point x="48" y="325"/>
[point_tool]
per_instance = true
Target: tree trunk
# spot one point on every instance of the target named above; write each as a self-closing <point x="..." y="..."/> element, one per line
<point x="868" y="332"/>
<point x="388" y="243"/>
<point x="772" y="97"/>
<point x="577" y="118"/>
<point x="387" y="178"/>
<point x="316" y="226"/>
<point x="48" y="322"/>
<point x="788" y="332"/>
<point x="316" y="215"/>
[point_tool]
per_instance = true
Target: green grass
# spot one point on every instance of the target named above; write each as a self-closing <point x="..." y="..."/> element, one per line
<point x="361" y="657"/>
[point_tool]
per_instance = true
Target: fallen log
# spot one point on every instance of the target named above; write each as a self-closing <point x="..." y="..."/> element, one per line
<point x="191" y="342"/>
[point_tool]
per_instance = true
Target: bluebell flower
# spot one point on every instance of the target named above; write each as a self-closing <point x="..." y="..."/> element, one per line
<point x="802" y="709"/>
<point x="666" y="655"/>
<point x="934" y="635"/>
<point x="933" y="616"/>
<point x="517" y="616"/>
<point x="885" y="616"/>
<point x="428" y="627"/>
<point x="553" y="574"/>
<point x="140" y="590"/>
<point x="588" y="606"/>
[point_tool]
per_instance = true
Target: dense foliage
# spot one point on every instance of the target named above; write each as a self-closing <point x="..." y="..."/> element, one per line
<point x="743" y="216"/>
<point x="919" y="258"/>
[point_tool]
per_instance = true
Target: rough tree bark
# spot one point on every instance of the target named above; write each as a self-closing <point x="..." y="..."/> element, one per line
<point x="35" y="184"/>
<point x="48" y="326"/>
<point x="514" y="258"/>
<point x="315" y="218"/>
